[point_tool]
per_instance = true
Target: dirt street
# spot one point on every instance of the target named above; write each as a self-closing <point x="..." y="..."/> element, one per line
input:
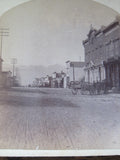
<point x="55" y="119"/>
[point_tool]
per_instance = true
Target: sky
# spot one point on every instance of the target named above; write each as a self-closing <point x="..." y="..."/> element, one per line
<point x="114" y="4"/>
<point x="8" y="4"/>
<point x="44" y="32"/>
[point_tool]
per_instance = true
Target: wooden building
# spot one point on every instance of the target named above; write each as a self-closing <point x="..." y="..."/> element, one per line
<point x="75" y="70"/>
<point x="102" y="55"/>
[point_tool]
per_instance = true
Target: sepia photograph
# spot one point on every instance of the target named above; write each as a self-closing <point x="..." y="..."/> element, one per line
<point x="60" y="76"/>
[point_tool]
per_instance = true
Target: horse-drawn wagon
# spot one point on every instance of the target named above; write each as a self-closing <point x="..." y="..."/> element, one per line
<point x="94" y="88"/>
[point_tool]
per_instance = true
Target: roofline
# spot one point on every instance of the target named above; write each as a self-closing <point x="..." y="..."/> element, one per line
<point x="106" y="29"/>
<point x="111" y="25"/>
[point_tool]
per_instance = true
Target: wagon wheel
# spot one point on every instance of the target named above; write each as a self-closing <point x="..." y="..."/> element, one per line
<point x="74" y="91"/>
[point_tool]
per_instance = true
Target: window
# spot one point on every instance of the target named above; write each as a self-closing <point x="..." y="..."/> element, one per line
<point x="100" y="74"/>
<point x="116" y="47"/>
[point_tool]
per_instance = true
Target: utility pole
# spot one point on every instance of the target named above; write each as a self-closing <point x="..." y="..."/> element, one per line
<point x="3" y="33"/>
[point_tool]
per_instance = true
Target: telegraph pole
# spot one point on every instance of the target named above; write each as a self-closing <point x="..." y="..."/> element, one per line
<point x="3" y="33"/>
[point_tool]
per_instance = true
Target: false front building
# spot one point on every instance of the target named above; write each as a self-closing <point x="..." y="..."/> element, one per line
<point x="102" y="55"/>
<point x="75" y="70"/>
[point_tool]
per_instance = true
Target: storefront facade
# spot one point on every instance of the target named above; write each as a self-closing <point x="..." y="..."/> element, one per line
<point x="102" y="55"/>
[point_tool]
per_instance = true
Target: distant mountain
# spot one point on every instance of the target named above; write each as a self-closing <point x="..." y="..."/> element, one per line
<point x="28" y="73"/>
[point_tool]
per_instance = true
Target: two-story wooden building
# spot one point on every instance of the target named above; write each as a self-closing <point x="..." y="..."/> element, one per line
<point x="75" y="70"/>
<point x="102" y="54"/>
